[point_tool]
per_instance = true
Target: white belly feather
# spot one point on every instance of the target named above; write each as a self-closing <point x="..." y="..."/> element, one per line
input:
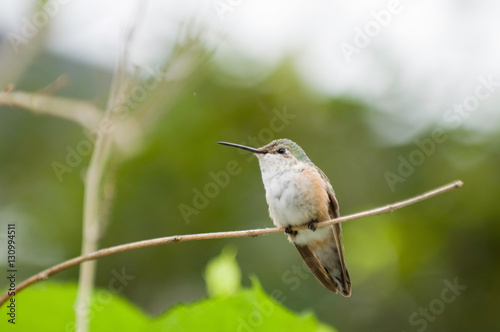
<point x="292" y="202"/>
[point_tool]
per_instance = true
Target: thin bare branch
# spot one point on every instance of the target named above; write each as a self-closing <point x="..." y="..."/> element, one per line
<point x="60" y="82"/>
<point x="44" y="275"/>
<point x="80" y="112"/>
<point x="97" y="172"/>
<point x="8" y="88"/>
<point x="19" y="49"/>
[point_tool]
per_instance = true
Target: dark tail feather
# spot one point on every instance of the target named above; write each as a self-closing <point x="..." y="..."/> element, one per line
<point x="327" y="266"/>
<point x="332" y="260"/>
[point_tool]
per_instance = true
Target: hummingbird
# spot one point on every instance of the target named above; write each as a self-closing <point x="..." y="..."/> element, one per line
<point x="299" y="193"/>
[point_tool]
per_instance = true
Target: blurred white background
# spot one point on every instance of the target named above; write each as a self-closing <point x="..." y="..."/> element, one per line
<point x="438" y="49"/>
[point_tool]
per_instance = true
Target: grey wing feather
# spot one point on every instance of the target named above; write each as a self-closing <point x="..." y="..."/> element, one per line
<point x="337" y="231"/>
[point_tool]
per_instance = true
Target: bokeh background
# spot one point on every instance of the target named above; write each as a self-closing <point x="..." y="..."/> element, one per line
<point x="388" y="98"/>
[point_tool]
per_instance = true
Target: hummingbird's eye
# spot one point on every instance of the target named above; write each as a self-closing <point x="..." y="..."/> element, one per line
<point x="281" y="150"/>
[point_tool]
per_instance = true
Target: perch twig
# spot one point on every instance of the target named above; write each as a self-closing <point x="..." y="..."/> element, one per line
<point x="220" y="235"/>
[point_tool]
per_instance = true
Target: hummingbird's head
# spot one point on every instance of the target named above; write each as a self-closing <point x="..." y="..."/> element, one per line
<point x="278" y="155"/>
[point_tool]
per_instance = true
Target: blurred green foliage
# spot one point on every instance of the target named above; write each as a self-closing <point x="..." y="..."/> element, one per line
<point x="398" y="262"/>
<point x="49" y="308"/>
<point x="223" y="275"/>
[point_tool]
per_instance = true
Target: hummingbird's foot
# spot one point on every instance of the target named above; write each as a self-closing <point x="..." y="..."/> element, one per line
<point x="312" y="225"/>
<point x="288" y="230"/>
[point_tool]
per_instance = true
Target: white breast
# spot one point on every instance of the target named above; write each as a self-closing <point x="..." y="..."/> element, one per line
<point x="290" y="200"/>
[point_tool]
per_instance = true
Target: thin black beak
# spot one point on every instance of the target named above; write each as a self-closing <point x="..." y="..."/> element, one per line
<point x="243" y="147"/>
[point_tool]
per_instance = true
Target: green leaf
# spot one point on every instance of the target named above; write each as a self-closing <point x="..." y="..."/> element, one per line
<point x="223" y="274"/>
<point x="49" y="307"/>
<point x="247" y="310"/>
